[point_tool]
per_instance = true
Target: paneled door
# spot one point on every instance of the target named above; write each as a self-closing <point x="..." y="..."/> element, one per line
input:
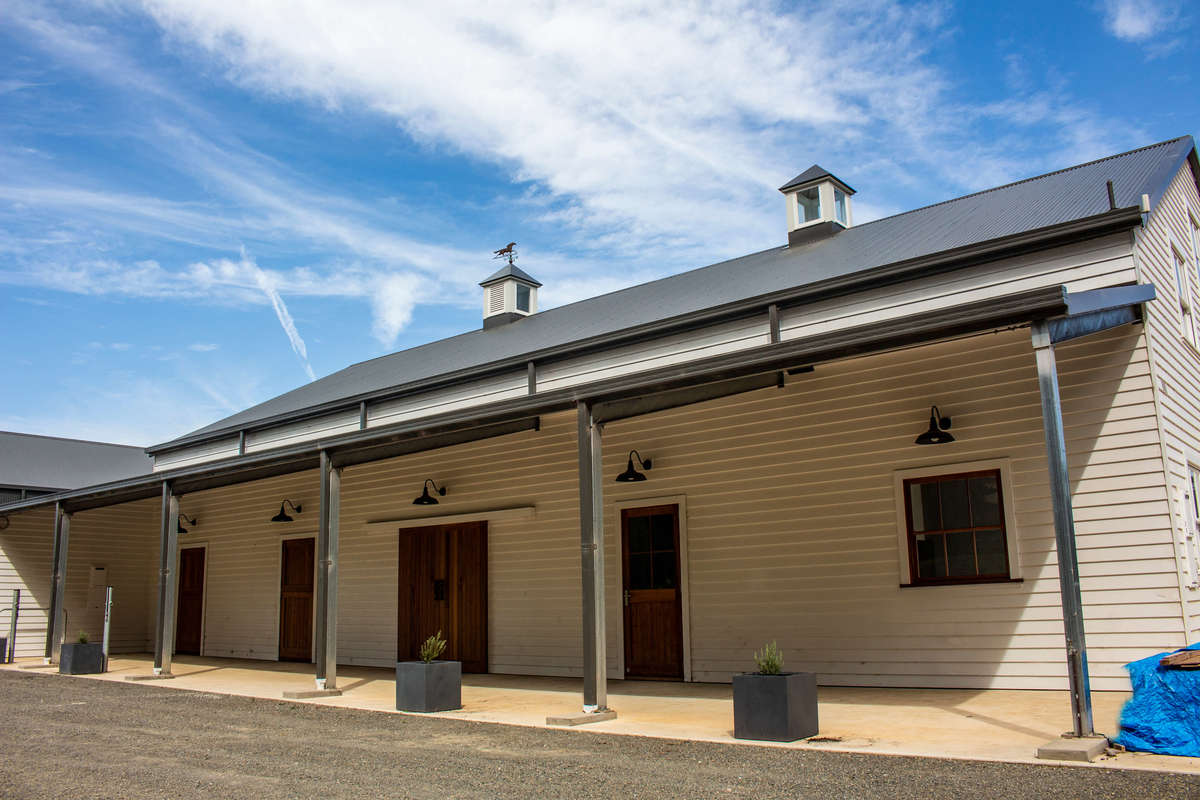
<point x="296" y="599"/>
<point x="189" y="614"/>
<point x="443" y="587"/>
<point x="651" y="594"/>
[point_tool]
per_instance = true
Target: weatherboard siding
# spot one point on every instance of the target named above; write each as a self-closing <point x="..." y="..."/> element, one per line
<point x="26" y="551"/>
<point x="1176" y="360"/>
<point x="790" y="520"/>
<point x="1100" y="262"/>
<point x="197" y="454"/>
<point x="124" y="540"/>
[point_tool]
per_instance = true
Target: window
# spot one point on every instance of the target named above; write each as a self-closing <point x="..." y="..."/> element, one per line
<point x="522" y="297"/>
<point x="956" y="529"/>
<point x="1191" y="535"/>
<point x="1183" y="287"/>
<point x="809" y="203"/>
<point x="839" y="206"/>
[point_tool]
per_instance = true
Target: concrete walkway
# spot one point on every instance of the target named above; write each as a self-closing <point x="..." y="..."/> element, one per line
<point x="992" y="725"/>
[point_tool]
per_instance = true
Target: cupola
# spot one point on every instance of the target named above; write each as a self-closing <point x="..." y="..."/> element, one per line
<point x="818" y="205"/>
<point x="508" y="295"/>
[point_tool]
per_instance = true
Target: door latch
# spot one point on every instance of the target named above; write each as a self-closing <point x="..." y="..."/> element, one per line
<point x="626" y="598"/>
<point x="439" y="589"/>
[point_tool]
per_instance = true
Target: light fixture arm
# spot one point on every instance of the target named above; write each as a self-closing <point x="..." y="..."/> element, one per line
<point x="644" y="463"/>
<point x="936" y="418"/>
<point x="441" y="490"/>
<point x="295" y="507"/>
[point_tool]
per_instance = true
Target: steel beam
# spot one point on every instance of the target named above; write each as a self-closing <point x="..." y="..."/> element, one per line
<point x="325" y="645"/>
<point x="1064" y="531"/>
<point x="591" y="542"/>
<point x="168" y="541"/>
<point x="58" y="579"/>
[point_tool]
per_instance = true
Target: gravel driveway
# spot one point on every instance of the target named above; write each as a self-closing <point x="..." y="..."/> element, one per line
<point x="74" y="738"/>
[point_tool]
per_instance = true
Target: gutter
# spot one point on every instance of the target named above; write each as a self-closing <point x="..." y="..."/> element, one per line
<point x="1111" y="221"/>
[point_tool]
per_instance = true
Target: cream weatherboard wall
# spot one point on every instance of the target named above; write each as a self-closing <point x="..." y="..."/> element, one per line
<point x="791" y="526"/>
<point x="1104" y="261"/>
<point x="122" y="539"/>
<point x="26" y="551"/>
<point x="1176" y="359"/>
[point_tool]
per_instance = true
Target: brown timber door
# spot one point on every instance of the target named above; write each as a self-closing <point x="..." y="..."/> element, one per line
<point x="651" y="595"/>
<point x="189" y="615"/>
<point x="296" y="599"/>
<point x="443" y="587"/>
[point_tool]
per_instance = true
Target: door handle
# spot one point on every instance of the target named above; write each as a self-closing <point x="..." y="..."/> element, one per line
<point x="439" y="589"/>
<point x="626" y="598"/>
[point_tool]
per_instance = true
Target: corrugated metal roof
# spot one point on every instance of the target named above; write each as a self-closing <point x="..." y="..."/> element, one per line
<point x="1059" y="197"/>
<point x="47" y="462"/>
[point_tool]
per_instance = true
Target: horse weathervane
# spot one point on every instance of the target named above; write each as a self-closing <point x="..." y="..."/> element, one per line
<point x="507" y="252"/>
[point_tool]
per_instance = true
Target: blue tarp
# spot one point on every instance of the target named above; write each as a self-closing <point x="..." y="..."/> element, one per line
<point x="1163" y="716"/>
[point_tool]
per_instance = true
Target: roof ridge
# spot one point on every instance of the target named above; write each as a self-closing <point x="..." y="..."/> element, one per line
<point x="1027" y="180"/>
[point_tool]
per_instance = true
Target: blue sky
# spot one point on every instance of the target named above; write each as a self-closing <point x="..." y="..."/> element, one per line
<point x="204" y="204"/>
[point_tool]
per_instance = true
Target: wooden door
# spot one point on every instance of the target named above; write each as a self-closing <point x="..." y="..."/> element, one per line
<point x="443" y="587"/>
<point x="651" y="594"/>
<point x="296" y="599"/>
<point x="189" y="614"/>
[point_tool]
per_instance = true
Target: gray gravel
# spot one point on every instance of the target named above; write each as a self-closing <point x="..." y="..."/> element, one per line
<point x="74" y="738"/>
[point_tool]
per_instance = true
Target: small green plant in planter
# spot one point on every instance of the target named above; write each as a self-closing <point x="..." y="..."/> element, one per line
<point x="81" y="657"/>
<point x="432" y="648"/>
<point x="771" y="704"/>
<point x="429" y="684"/>
<point x="769" y="659"/>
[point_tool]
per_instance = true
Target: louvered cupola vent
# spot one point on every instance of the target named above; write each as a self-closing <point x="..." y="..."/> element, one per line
<point x="508" y="295"/>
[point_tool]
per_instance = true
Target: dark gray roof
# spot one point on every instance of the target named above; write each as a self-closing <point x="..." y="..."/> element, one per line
<point x="814" y="173"/>
<point x="47" y="462"/>
<point x="510" y="271"/>
<point x="1059" y="197"/>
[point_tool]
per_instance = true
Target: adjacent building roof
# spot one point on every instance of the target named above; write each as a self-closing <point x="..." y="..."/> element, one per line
<point x="1069" y="195"/>
<point x="47" y="462"/>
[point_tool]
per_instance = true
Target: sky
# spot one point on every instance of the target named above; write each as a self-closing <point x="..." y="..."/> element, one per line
<point x="204" y="204"/>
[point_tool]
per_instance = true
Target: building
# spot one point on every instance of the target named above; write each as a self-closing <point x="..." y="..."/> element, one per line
<point x="917" y="452"/>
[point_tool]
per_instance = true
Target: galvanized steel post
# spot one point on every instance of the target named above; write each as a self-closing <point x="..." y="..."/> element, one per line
<point x="327" y="587"/>
<point x="1064" y="531"/>
<point x="164" y="631"/>
<point x="58" y="578"/>
<point x="591" y="541"/>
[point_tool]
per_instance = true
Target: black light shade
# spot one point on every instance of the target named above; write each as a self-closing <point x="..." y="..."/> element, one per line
<point x="426" y="499"/>
<point x="630" y="474"/>
<point x="938" y="425"/>
<point x="180" y="520"/>
<point x="282" y="516"/>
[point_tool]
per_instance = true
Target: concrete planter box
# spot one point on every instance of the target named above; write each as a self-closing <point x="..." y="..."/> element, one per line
<point x="3" y="649"/>
<point x="81" y="659"/>
<point x="436" y="686"/>
<point x="777" y="708"/>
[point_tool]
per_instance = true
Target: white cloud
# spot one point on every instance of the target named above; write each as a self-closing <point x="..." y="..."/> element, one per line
<point x="392" y="303"/>
<point x="203" y="347"/>
<point x="1138" y="20"/>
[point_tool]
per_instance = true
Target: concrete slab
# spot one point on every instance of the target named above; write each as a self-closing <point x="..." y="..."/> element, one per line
<point x="308" y="694"/>
<point x="38" y="666"/>
<point x="986" y="725"/>
<point x="582" y="718"/>
<point x="166" y="676"/>
<point x="1072" y="749"/>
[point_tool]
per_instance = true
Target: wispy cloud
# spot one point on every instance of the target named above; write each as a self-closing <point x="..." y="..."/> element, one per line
<point x="1138" y="20"/>
<point x="267" y="284"/>
<point x="203" y="347"/>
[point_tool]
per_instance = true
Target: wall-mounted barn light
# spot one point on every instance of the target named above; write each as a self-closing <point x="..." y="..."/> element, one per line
<point x="283" y="516"/>
<point x="426" y="499"/>
<point x="182" y="519"/>
<point x="938" y="427"/>
<point x="630" y="474"/>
